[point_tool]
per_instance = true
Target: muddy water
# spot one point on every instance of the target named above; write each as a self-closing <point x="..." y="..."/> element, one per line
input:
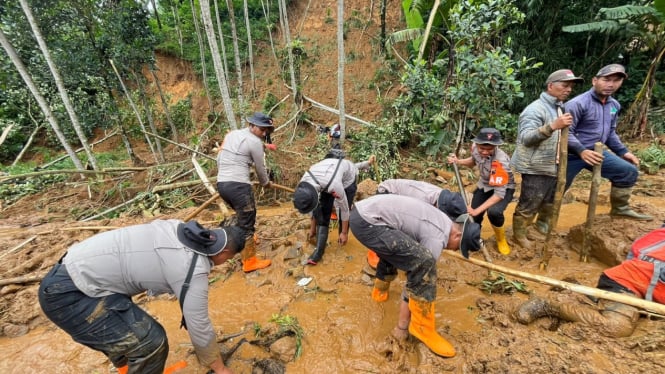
<point x="345" y="331"/>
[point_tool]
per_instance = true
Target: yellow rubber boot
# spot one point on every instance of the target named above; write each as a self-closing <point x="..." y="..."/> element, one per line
<point x="380" y="291"/>
<point x="422" y="327"/>
<point x="501" y="243"/>
<point x="249" y="260"/>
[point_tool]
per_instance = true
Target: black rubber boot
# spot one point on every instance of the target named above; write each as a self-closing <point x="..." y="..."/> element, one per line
<point x="321" y="242"/>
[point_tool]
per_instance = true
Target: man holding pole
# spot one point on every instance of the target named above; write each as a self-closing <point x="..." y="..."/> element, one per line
<point x="595" y="116"/>
<point x="240" y="150"/>
<point x="535" y="156"/>
<point x="642" y="276"/>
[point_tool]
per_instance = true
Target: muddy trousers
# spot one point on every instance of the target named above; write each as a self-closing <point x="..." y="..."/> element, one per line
<point x="113" y="324"/>
<point x="397" y="250"/>
<point x="240" y="197"/>
<point x="537" y="197"/>
<point x="495" y="212"/>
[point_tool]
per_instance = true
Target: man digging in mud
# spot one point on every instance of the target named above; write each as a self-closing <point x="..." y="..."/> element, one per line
<point x="409" y="235"/>
<point x="642" y="275"/>
<point x="88" y="293"/>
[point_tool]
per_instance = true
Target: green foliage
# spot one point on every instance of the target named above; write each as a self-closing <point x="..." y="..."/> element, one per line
<point x="181" y="114"/>
<point x="652" y="158"/>
<point x="384" y="141"/>
<point x="290" y="324"/>
<point x="499" y="284"/>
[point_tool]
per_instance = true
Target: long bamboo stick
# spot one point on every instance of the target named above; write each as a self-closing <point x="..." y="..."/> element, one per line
<point x="589" y="291"/>
<point x="593" y="201"/>
<point x="558" y="194"/>
<point x="198" y="210"/>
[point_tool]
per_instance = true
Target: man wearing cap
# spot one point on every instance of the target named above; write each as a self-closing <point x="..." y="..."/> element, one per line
<point x="320" y="188"/>
<point x="240" y="150"/>
<point x="88" y="293"/>
<point x="595" y="116"/>
<point x="408" y="234"/>
<point x="496" y="184"/>
<point x="536" y="154"/>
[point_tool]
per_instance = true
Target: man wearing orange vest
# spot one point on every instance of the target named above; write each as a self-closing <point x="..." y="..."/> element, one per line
<point x="641" y="275"/>
<point x="496" y="184"/>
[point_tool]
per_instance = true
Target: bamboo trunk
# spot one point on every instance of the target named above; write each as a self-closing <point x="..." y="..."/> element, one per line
<point x="558" y="195"/>
<point x="589" y="291"/>
<point x="593" y="201"/>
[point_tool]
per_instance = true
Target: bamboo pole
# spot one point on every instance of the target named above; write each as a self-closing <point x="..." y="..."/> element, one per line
<point x="198" y="210"/>
<point x="279" y="186"/>
<point x="589" y="291"/>
<point x="208" y="185"/>
<point x="558" y="194"/>
<point x="19" y="246"/>
<point x="593" y="201"/>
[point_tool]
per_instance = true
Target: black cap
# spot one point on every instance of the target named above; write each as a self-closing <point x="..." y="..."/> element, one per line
<point x="305" y="198"/>
<point x="451" y="203"/>
<point x="488" y="135"/>
<point x="335" y="152"/>
<point x="260" y="119"/>
<point x="201" y="240"/>
<point x="470" y="235"/>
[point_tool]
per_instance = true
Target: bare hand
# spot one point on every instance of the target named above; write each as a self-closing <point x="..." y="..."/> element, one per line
<point x="452" y="159"/>
<point x="343" y="238"/>
<point x="632" y="159"/>
<point x="563" y="121"/>
<point x="591" y="157"/>
<point x="372" y="159"/>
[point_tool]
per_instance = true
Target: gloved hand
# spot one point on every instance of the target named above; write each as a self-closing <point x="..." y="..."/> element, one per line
<point x="380" y="291"/>
<point x="272" y="147"/>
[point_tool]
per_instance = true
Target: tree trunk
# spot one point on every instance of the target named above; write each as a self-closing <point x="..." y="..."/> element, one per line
<point x="148" y="113"/>
<point x="16" y="60"/>
<point x="165" y="105"/>
<point x="266" y="14"/>
<point x="250" y="51"/>
<point x="195" y="19"/>
<point x="221" y="42"/>
<point x="177" y="27"/>
<point x="59" y="84"/>
<point x="340" y="69"/>
<point x="217" y="62"/>
<point x="295" y="86"/>
<point x="383" y="26"/>
<point x="154" y="8"/>
<point x="236" y="55"/>
<point x="136" y="111"/>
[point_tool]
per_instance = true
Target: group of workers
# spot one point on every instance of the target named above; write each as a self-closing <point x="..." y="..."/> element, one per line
<point x="406" y="224"/>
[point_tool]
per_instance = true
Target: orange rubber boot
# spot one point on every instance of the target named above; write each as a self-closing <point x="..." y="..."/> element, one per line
<point x="249" y="260"/>
<point x="380" y="290"/>
<point x="175" y="367"/>
<point x="422" y="327"/>
<point x="123" y="369"/>
<point x="372" y="259"/>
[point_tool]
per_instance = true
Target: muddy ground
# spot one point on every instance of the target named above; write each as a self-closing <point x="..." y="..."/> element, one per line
<point x="344" y="330"/>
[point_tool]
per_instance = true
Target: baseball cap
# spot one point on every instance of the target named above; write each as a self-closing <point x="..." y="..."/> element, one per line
<point x="612" y="69"/>
<point x="563" y="75"/>
<point x="488" y="135"/>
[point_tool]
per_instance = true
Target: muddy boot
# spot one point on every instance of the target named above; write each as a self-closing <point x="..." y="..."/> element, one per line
<point x="544" y="218"/>
<point x="380" y="290"/>
<point x="533" y="309"/>
<point x="619" y="201"/>
<point x="321" y="242"/>
<point x="501" y="243"/>
<point x="422" y="327"/>
<point x="520" y="225"/>
<point x="249" y="260"/>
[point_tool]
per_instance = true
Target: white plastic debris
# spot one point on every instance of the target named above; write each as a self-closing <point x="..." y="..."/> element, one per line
<point x="304" y="281"/>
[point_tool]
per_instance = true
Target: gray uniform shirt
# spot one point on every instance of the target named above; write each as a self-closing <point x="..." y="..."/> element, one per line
<point x="240" y="150"/>
<point x="422" y="191"/>
<point x="421" y="221"/>
<point x="351" y="174"/>
<point x="537" y="145"/>
<point x="150" y="258"/>
<point x="485" y="167"/>
<point x="323" y="172"/>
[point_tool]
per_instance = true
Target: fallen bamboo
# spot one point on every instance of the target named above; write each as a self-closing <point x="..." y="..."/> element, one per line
<point x="558" y="194"/>
<point x="180" y="145"/>
<point x="198" y="210"/>
<point x="593" y="201"/>
<point x="589" y="291"/>
<point x="22" y="279"/>
<point x="209" y="186"/>
<point x="19" y="246"/>
<point x="279" y="186"/>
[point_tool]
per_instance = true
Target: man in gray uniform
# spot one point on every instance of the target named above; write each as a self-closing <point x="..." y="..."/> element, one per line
<point x="320" y="188"/>
<point x="240" y="150"/>
<point x="89" y="292"/>
<point x="409" y="235"/>
<point x="451" y="203"/>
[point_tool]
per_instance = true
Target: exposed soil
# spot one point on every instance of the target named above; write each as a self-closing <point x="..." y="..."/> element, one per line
<point x="345" y="331"/>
